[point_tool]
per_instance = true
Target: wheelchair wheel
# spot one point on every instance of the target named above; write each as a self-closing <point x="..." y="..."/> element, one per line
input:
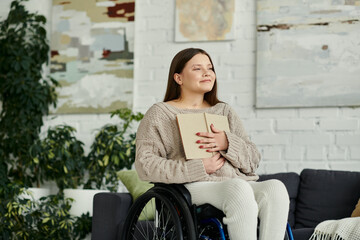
<point x="182" y="208"/>
<point x="153" y="216"/>
<point x="211" y="229"/>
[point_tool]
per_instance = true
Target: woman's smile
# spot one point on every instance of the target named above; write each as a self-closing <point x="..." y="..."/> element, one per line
<point x="206" y="80"/>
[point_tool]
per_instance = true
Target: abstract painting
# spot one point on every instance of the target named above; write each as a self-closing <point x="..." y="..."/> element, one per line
<point x="92" y="51"/>
<point x="206" y="20"/>
<point x="308" y="53"/>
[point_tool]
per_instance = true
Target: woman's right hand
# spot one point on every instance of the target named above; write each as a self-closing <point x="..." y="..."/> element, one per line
<point x="214" y="163"/>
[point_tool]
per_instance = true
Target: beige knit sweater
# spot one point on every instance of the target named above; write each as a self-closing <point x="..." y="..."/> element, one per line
<point x="160" y="155"/>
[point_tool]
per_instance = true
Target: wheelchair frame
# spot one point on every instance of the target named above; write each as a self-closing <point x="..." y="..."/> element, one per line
<point x="173" y="216"/>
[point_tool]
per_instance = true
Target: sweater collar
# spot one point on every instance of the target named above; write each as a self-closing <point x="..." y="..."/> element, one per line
<point x="177" y="110"/>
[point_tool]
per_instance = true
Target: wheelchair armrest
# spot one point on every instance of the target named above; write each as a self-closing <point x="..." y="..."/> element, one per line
<point x="109" y="213"/>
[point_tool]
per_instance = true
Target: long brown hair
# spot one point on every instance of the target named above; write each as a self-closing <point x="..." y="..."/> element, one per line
<point x="177" y="65"/>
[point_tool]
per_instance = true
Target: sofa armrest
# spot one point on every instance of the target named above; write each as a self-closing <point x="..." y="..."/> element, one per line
<point x="109" y="213"/>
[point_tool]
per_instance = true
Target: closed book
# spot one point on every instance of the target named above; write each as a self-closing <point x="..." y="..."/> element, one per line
<point x="192" y="123"/>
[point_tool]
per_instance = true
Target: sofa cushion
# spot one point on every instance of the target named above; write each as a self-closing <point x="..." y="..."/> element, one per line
<point x="136" y="188"/>
<point x="356" y="212"/>
<point x="291" y="181"/>
<point x="325" y="195"/>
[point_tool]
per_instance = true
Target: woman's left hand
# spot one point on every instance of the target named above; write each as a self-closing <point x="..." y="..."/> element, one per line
<point x="214" y="141"/>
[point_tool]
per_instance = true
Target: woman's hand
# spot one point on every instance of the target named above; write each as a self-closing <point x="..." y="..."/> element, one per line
<point x="214" y="141"/>
<point x="214" y="163"/>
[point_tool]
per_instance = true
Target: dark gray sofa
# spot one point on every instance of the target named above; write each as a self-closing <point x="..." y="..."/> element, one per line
<point x="315" y="196"/>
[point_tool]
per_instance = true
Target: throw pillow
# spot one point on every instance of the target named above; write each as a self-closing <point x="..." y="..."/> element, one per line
<point x="136" y="188"/>
<point x="356" y="212"/>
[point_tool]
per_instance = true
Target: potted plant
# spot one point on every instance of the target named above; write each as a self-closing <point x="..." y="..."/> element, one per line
<point x="25" y="93"/>
<point x="47" y="218"/>
<point x="25" y="160"/>
<point x="112" y="150"/>
<point x="59" y="157"/>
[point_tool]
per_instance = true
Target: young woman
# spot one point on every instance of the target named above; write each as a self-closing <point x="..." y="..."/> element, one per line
<point x="228" y="179"/>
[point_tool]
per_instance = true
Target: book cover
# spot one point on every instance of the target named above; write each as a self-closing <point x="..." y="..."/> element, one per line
<point x="191" y="123"/>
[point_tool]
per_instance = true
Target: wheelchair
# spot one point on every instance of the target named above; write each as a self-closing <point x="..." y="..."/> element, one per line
<point x="165" y="212"/>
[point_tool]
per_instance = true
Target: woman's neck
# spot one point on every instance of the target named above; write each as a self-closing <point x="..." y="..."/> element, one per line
<point x="190" y="103"/>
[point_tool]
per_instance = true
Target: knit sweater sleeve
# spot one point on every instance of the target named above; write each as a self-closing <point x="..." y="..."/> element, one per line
<point x="241" y="152"/>
<point x="151" y="160"/>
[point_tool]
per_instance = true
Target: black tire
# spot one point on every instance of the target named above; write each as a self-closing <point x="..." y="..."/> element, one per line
<point x="165" y="226"/>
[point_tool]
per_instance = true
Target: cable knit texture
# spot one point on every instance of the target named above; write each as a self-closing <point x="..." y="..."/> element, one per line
<point x="243" y="202"/>
<point x="160" y="155"/>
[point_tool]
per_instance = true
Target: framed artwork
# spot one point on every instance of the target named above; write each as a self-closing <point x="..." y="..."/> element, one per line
<point x="308" y="53"/>
<point x="207" y="20"/>
<point x="92" y="53"/>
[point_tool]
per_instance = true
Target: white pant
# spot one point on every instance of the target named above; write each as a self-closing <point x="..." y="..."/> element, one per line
<point x="243" y="203"/>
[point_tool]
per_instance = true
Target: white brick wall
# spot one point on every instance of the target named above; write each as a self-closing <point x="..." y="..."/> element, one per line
<point x="289" y="139"/>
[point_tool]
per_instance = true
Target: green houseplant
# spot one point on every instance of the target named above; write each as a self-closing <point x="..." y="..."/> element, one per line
<point x="47" y="218"/>
<point x="112" y="150"/>
<point x="25" y="94"/>
<point x="59" y="157"/>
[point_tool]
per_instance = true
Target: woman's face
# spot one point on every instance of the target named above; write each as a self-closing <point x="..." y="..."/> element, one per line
<point x="197" y="76"/>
